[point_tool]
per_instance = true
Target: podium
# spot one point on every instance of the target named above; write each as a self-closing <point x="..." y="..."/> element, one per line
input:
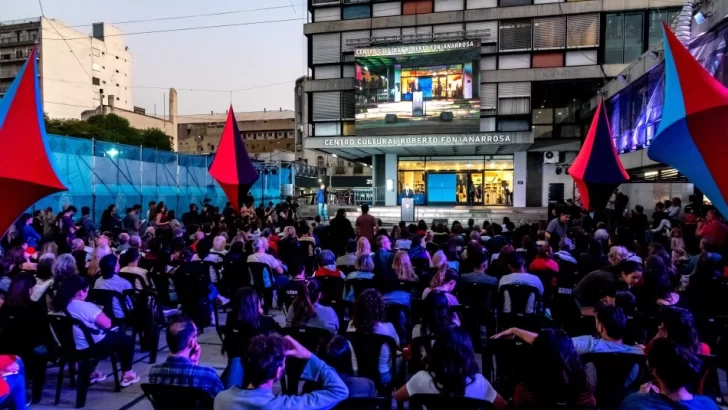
<point x="408" y="210"/>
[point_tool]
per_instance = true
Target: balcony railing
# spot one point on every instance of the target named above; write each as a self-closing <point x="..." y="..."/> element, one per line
<point x="16" y="22"/>
<point x="18" y="39"/>
<point x="8" y="73"/>
<point x="420" y="38"/>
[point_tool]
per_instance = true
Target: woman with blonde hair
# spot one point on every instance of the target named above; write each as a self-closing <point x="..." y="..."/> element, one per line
<point x="618" y="254"/>
<point x="363" y="246"/>
<point x="93" y="265"/>
<point x="402" y="266"/>
<point x="289" y="232"/>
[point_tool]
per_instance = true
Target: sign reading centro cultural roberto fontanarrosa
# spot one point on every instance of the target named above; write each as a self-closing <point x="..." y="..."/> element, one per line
<point x="415" y="49"/>
<point x="435" y="140"/>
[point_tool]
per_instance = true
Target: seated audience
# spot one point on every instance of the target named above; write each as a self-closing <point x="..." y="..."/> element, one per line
<point x="338" y="356"/>
<point x="71" y="299"/>
<point x="564" y="254"/>
<point x="364" y="266"/>
<point x="480" y="266"/>
<point x="675" y="368"/>
<point x="327" y="266"/>
<point x="307" y="312"/>
<point x="265" y="364"/>
<point x="109" y="280"/>
<point x="369" y="316"/>
<point x="349" y="258"/>
<point x="453" y="371"/>
<point x="544" y="260"/>
<point x="44" y="275"/>
<point x="611" y="324"/>
<point x="519" y="276"/>
<point x="130" y="264"/>
<point x="182" y="366"/>
<point x="436" y="316"/>
<point x="555" y="374"/>
<point x="444" y="282"/>
<point x="678" y="325"/>
<point x="590" y="288"/>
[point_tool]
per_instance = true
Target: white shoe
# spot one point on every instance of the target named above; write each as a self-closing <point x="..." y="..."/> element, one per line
<point x="223" y="300"/>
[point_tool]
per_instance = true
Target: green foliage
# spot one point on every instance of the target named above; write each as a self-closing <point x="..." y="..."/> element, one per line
<point x="111" y="128"/>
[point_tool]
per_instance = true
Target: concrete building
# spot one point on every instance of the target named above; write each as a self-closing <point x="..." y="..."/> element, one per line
<point x="335" y="166"/>
<point x="264" y="132"/>
<point x="474" y="101"/>
<point x="634" y="102"/>
<point x="78" y="71"/>
<point x="139" y="118"/>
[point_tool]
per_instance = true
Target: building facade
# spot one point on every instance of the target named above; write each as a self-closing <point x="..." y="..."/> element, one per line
<point x="78" y="71"/>
<point x="264" y="132"/>
<point x="634" y="103"/>
<point x="466" y="101"/>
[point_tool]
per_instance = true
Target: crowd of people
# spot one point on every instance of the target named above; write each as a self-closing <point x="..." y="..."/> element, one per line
<point x="395" y="313"/>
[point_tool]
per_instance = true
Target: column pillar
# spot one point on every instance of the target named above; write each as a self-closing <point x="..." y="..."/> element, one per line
<point x="519" y="179"/>
<point x="390" y="171"/>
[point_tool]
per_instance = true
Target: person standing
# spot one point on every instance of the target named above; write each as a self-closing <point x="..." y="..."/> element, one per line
<point x="322" y="201"/>
<point x="366" y="225"/>
<point x="407" y="192"/>
<point x="132" y="222"/>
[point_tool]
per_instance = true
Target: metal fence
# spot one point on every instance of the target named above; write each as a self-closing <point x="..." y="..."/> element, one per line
<point x="99" y="174"/>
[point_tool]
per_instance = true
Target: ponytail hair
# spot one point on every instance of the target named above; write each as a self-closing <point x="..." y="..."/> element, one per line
<point x="303" y="305"/>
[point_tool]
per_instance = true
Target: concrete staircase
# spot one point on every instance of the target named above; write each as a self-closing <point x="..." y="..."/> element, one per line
<point x="390" y="215"/>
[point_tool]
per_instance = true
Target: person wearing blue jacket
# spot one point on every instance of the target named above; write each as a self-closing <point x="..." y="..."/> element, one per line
<point x="322" y="200"/>
<point x="266" y="363"/>
<point x="26" y="232"/>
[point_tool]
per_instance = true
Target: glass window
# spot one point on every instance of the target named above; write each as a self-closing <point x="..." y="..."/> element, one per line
<point x="414" y="179"/>
<point x="320" y="161"/>
<point x="543" y="116"/>
<point x="570" y="131"/>
<point x="656" y="19"/>
<point x="543" y="131"/>
<point x="516" y="105"/>
<point x="359" y="11"/>
<point x="633" y="36"/>
<point x="614" y="33"/>
<point x="508" y="124"/>
<point x="515" y="35"/>
<point x="625" y="38"/>
<point x="411" y="164"/>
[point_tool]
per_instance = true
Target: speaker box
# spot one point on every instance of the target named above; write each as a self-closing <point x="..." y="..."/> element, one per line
<point x="446" y="116"/>
<point x="556" y="192"/>
<point x="390" y="118"/>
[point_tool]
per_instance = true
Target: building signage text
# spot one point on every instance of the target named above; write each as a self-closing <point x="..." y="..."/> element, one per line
<point x="440" y="140"/>
<point x="414" y="49"/>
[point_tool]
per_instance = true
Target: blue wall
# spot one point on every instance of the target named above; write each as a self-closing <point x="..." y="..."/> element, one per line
<point x="98" y="174"/>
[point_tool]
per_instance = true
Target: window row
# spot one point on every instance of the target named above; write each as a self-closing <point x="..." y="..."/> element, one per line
<point x="626" y="37"/>
<point x="356" y="9"/>
<point x="548" y="33"/>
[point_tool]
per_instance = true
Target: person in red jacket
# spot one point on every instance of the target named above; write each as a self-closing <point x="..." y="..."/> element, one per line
<point x="327" y="266"/>
<point x="544" y="260"/>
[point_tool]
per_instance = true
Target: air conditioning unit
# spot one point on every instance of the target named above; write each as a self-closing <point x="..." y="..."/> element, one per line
<point x="553" y="157"/>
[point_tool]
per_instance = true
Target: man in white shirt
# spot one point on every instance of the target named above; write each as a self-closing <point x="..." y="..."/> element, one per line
<point x="519" y="276"/>
<point x="349" y="259"/>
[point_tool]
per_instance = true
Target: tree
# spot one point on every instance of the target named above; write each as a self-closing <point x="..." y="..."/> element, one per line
<point x="110" y="128"/>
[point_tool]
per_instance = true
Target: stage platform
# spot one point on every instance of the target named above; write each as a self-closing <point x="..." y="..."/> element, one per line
<point x="390" y="215"/>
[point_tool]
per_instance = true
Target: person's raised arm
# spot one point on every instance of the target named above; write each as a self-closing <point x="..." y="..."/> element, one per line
<point x="526" y="336"/>
<point x="402" y="394"/>
<point x="333" y="390"/>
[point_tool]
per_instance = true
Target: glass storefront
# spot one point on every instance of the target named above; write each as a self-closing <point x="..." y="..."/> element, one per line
<point x="462" y="180"/>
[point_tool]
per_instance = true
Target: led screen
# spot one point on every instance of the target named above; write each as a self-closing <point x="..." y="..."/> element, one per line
<point x="418" y="89"/>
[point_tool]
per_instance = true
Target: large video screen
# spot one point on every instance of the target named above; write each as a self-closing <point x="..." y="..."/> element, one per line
<point x="418" y="89"/>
